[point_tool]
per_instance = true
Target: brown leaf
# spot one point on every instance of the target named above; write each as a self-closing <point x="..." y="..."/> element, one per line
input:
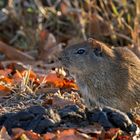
<point x="72" y="134"/>
<point x="4" y="91"/>
<point x="5" y="72"/>
<point x="58" y="102"/>
<point x="14" y="53"/>
<point x="4" y="134"/>
<point x="97" y="26"/>
<point x="112" y="133"/>
<point x="48" y="41"/>
<point x="17" y="132"/>
<point x="64" y="7"/>
<point x="137" y="120"/>
<point x="43" y="35"/>
<point x="48" y="50"/>
<point x="96" y="129"/>
<point x="32" y="136"/>
<point x="49" y="136"/>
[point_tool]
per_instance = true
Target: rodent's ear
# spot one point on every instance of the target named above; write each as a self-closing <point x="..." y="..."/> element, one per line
<point x="90" y="40"/>
<point x="97" y="47"/>
<point x="94" y="42"/>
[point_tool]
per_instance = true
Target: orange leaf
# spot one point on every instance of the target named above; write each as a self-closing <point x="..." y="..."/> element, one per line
<point x="19" y="75"/>
<point x="6" y="80"/>
<point x="70" y="84"/>
<point x="67" y="133"/>
<point x="32" y="136"/>
<point x="43" y="35"/>
<point x="48" y="136"/>
<point x="54" y="79"/>
<point x="3" y="88"/>
<point x="32" y="75"/>
<point x="5" y="72"/>
<point x="58" y="81"/>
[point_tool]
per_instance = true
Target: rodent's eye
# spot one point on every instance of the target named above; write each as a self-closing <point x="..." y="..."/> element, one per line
<point x="81" y="51"/>
<point x="98" y="52"/>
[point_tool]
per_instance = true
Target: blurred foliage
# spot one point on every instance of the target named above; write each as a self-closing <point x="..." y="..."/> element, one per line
<point x="111" y="21"/>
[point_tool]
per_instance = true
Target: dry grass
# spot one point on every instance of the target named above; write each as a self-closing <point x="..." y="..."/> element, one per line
<point x="111" y="21"/>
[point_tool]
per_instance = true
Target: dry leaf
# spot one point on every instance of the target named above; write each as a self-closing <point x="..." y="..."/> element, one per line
<point x="14" y="53"/>
<point x="49" y="136"/>
<point x="5" y="73"/>
<point x="96" y="129"/>
<point x="58" y="102"/>
<point x="32" y="136"/>
<point x="97" y="26"/>
<point x="4" y="134"/>
<point x="72" y="134"/>
<point x="17" y="132"/>
<point x="49" y="50"/>
<point x="112" y="133"/>
<point x="58" y="81"/>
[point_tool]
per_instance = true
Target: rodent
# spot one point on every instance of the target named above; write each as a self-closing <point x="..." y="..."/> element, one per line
<point x="106" y="76"/>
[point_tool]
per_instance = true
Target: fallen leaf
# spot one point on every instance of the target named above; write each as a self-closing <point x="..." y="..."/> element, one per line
<point x="17" y="132"/>
<point x="4" y="89"/>
<point x="67" y="132"/>
<point x="49" y="136"/>
<point x="64" y="7"/>
<point x="97" y="26"/>
<point x="137" y="120"/>
<point x="58" y="81"/>
<point x="112" y="133"/>
<point x="5" y="72"/>
<point x="32" y="75"/>
<point x="43" y="35"/>
<point x="47" y="43"/>
<point x="32" y="135"/>
<point x="124" y="138"/>
<point x="18" y="76"/>
<point x="6" y="80"/>
<point x="72" y="134"/>
<point x="4" y="134"/>
<point x="57" y="102"/>
<point x="13" y="65"/>
<point x="14" y="53"/>
<point x="96" y="129"/>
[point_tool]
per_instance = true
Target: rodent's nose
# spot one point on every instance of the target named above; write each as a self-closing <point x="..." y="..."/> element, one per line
<point x="59" y="58"/>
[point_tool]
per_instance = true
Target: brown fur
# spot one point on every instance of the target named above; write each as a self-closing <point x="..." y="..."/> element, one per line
<point x="112" y="79"/>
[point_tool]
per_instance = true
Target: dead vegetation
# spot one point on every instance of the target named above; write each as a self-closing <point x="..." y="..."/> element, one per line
<point x="32" y="34"/>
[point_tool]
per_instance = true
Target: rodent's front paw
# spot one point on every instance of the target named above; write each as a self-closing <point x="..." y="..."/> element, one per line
<point x="97" y="115"/>
<point x="120" y="119"/>
<point x="109" y="117"/>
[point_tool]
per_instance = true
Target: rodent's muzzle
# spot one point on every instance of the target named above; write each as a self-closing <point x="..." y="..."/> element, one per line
<point x="64" y="60"/>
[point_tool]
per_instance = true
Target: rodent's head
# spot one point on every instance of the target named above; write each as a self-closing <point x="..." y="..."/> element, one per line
<point x="86" y="56"/>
